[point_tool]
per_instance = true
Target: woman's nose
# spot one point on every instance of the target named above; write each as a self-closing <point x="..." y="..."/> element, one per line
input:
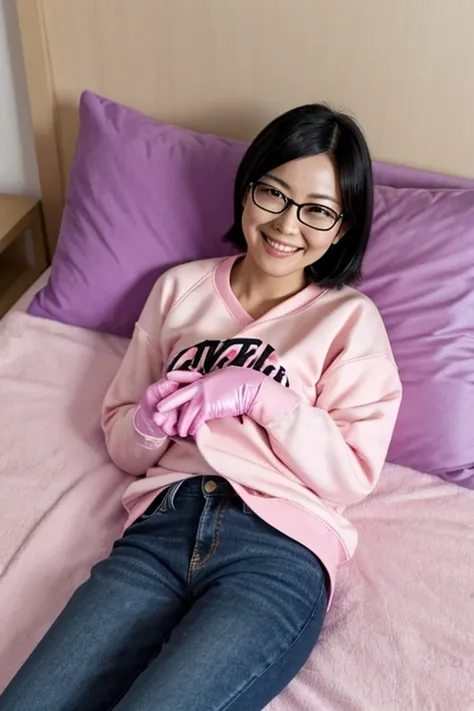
<point x="287" y="222"/>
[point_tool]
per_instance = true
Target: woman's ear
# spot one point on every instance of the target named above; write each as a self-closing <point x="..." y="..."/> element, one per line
<point x="246" y="196"/>
<point x="343" y="230"/>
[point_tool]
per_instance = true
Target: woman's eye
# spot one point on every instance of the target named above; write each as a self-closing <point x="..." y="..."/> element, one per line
<point x="320" y="210"/>
<point x="273" y="192"/>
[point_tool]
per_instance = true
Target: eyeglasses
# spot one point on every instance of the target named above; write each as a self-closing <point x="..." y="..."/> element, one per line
<point x="270" y="199"/>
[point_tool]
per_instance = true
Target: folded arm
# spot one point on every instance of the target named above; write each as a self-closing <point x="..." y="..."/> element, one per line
<point x="338" y="447"/>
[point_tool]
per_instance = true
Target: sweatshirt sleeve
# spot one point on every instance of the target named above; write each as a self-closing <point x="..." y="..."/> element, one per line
<point x="338" y="447"/>
<point x="141" y="366"/>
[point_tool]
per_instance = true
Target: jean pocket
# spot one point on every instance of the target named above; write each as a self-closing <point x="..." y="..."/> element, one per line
<point x="246" y="509"/>
<point x="160" y="504"/>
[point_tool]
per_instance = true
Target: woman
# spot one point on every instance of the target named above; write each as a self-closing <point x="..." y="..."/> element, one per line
<point x="259" y="395"/>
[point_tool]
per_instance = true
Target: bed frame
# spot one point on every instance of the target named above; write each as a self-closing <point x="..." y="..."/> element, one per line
<point x="405" y="69"/>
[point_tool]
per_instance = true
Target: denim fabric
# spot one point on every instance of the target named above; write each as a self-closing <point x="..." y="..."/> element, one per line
<point x="201" y="606"/>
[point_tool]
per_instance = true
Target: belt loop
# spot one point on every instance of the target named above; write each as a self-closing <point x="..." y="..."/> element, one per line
<point x="172" y="494"/>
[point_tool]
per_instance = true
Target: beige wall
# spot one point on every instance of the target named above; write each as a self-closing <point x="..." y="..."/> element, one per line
<point x="404" y="68"/>
<point x="18" y="171"/>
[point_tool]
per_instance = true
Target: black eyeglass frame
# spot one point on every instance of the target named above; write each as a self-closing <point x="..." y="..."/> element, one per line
<point x="299" y="206"/>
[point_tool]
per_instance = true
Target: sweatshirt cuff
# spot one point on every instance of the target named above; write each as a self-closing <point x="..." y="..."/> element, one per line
<point x="273" y="403"/>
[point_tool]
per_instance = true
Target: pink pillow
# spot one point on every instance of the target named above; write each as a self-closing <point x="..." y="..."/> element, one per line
<point x="145" y="195"/>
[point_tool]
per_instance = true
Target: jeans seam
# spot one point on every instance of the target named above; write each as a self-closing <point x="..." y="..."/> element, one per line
<point x="196" y="555"/>
<point x="287" y="649"/>
<point x="217" y="531"/>
<point x="196" y="563"/>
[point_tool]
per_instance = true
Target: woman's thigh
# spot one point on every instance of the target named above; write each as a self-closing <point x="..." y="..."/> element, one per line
<point x="259" y="604"/>
<point x="114" y="623"/>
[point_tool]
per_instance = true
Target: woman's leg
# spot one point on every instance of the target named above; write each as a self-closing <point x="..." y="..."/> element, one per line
<point x="115" y="623"/>
<point x="259" y="604"/>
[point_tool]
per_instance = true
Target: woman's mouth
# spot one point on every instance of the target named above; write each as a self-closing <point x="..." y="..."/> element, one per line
<point x="277" y="248"/>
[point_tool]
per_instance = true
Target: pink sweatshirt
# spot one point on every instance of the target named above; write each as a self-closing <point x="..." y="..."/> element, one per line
<point x="328" y="346"/>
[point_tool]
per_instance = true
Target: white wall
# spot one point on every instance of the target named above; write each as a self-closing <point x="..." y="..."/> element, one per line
<point x="18" y="172"/>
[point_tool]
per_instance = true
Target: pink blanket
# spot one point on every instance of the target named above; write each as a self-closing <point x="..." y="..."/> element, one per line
<point x="400" y="635"/>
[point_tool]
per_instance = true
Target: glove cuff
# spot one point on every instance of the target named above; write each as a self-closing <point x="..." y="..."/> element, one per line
<point x="146" y="430"/>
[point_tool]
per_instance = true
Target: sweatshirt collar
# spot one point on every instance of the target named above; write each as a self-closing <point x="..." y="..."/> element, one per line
<point x="222" y="284"/>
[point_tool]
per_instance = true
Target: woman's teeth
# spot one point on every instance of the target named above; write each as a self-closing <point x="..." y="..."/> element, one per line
<point x="281" y="247"/>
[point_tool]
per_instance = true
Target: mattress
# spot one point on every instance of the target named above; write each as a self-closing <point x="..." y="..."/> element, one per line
<point x="25" y="300"/>
<point x="400" y="633"/>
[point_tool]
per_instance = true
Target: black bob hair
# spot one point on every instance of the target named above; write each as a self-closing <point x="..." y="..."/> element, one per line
<point x="307" y="131"/>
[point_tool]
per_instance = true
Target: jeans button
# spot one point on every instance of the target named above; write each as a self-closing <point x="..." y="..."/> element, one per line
<point x="210" y="486"/>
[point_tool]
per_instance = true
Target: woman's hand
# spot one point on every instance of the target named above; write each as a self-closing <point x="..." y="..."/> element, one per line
<point x="229" y="392"/>
<point x="147" y="421"/>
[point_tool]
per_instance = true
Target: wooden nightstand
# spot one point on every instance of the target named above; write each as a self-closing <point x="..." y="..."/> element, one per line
<point x="22" y="247"/>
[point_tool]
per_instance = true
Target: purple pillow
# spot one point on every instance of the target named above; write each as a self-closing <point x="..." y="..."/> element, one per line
<point x="419" y="270"/>
<point x="143" y="196"/>
<point x="146" y="195"/>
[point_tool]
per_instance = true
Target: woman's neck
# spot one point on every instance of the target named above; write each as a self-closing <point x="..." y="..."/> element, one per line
<point x="258" y="292"/>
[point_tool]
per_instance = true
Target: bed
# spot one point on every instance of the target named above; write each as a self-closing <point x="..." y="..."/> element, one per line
<point x="400" y="633"/>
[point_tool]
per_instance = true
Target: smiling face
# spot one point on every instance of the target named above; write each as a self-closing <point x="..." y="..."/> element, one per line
<point x="280" y="245"/>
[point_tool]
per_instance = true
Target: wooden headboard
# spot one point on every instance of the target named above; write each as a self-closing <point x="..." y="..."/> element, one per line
<point x="405" y="69"/>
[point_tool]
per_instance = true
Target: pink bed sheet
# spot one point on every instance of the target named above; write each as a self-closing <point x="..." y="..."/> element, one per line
<point x="400" y="634"/>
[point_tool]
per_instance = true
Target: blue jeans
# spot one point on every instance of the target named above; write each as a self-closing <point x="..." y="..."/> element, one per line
<point x="201" y="606"/>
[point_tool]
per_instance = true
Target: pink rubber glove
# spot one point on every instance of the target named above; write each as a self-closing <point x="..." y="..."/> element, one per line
<point x="229" y="392"/>
<point x="147" y="421"/>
